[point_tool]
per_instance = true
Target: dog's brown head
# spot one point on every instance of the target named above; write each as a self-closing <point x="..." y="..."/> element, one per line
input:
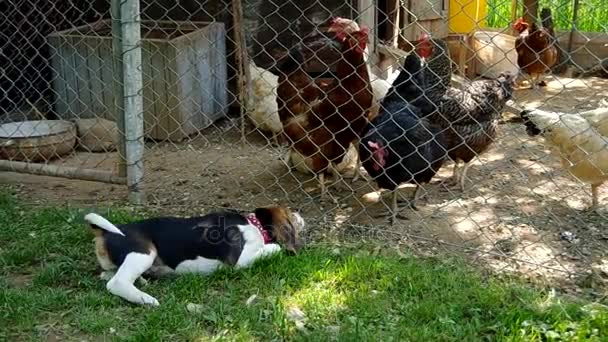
<point x="283" y="225"/>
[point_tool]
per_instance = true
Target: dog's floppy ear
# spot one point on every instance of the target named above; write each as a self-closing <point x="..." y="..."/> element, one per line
<point x="289" y="235"/>
<point x="279" y="222"/>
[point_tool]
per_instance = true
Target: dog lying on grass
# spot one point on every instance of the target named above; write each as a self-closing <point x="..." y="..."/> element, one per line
<point x="171" y="245"/>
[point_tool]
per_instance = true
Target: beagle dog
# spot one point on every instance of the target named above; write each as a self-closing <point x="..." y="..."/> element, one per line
<point x="171" y="245"/>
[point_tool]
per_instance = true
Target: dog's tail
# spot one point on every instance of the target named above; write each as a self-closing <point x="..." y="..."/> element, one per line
<point x="98" y="222"/>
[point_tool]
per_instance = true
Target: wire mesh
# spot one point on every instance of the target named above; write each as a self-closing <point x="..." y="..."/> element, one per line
<point x="523" y="204"/>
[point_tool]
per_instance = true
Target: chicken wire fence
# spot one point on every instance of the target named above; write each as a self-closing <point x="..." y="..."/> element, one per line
<point x="182" y="114"/>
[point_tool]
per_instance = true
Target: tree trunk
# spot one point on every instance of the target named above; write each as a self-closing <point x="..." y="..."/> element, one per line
<point x="530" y="11"/>
<point x="562" y="55"/>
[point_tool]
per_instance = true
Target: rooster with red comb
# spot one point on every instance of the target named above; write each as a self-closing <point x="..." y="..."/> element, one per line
<point x="321" y="132"/>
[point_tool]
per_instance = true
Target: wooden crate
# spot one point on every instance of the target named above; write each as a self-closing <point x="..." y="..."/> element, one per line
<point x="184" y="75"/>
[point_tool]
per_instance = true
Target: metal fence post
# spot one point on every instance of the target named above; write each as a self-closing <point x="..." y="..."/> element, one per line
<point x="118" y="88"/>
<point x="133" y="99"/>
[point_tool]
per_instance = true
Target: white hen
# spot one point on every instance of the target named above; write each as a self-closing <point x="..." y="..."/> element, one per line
<point x="580" y="140"/>
<point x="261" y="103"/>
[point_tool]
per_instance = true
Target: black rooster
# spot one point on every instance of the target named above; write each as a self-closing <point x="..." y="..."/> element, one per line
<point x="400" y="145"/>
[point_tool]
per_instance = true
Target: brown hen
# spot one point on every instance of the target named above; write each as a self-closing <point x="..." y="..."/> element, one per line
<point x="536" y="51"/>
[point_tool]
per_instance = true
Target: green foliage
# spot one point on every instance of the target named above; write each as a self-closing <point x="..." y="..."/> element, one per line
<point x="593" y="14"/>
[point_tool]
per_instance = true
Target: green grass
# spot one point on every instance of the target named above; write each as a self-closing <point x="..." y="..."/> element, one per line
<point x="49" y="289"/>
<point x="593" y="14"/>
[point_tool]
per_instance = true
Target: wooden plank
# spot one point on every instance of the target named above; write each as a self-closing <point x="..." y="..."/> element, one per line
<point x="162" y="117"/>
<point x="219" y="68"/>
<point x="426" y="16"/>
<point x="169" y="118"/>
<point x="427" y="9"/>
<point x="391" y="51"/>
<point x="437" y="28"/>
<point x="190" y="84"/>
<point x="157" y="121"/>
<point x="59" y="86"/>
<point x="202" y="62"/>
<point x="71" y="80"/>
<point x="367" y="17"/>
<point x="150" y="98"/>
<point x="392" y="26"/>
<point x="84" y="72"/>
<point x="243" y="79"/>
<point x="81" y="75"/>
<point x="95" y="86"/>
<point x="106" y="78"/>
<point x="458" y="50"/>
<point x="62" y="171"/>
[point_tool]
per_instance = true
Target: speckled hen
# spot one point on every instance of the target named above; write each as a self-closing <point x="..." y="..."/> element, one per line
<point x="470" y="119"/>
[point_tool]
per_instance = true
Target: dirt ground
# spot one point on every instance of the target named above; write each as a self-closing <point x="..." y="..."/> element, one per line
<point x="519" y="212"/>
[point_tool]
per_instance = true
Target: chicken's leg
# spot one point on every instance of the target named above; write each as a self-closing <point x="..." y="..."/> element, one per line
<point x="520" y="78"/>
<point x="357" y="173"/>
<point x="395" y="208"/>
<point x="539" y="80"/>
<point x="463" y="175"/>
<point x="454" y="179"/>
<point x="357" y="170"/>
<point x="324" y="188"/>
<point x="392" y="213"/>
<point x="275" y="139"/>
<point x="594" y="196"/>
<point x="414" y="199"/>
<point x="287" y="159"/>
<point x="321" y="178"/>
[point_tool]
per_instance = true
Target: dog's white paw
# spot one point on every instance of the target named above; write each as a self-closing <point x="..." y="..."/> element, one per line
<point x="270" y="249"/>
<point x="146" y="299"/>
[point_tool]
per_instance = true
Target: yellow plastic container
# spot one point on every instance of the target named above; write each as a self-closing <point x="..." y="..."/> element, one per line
<point x="465" y="16"/>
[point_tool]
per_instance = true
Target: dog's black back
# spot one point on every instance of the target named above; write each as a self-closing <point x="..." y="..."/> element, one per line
<point x="213" y="236"/>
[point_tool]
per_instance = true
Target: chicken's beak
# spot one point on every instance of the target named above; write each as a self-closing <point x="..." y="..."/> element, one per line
<point x="323" y="41"/>
<point x="333" y="43"/>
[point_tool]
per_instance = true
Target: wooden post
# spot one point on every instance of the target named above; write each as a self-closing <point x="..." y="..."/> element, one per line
<point x="574" y="25"/>
<point x="242" y="61"/>
<point x="546" y="18"/>
<point x="513" y="16"/>
<point x="118" y="85"/>
<point x="392" y="25"/>
<point x="470" y="57"/>
<point x="530" y="11"/>
<point x="62" y="171"/>
<point x="367" y="17"/>
<point x="133" y="99"/>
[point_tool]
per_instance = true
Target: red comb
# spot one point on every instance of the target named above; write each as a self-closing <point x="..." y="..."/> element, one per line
<point x="520" y="21"/>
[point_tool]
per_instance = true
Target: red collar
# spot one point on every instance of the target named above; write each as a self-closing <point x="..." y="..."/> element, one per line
<point x="253" y="220"/>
